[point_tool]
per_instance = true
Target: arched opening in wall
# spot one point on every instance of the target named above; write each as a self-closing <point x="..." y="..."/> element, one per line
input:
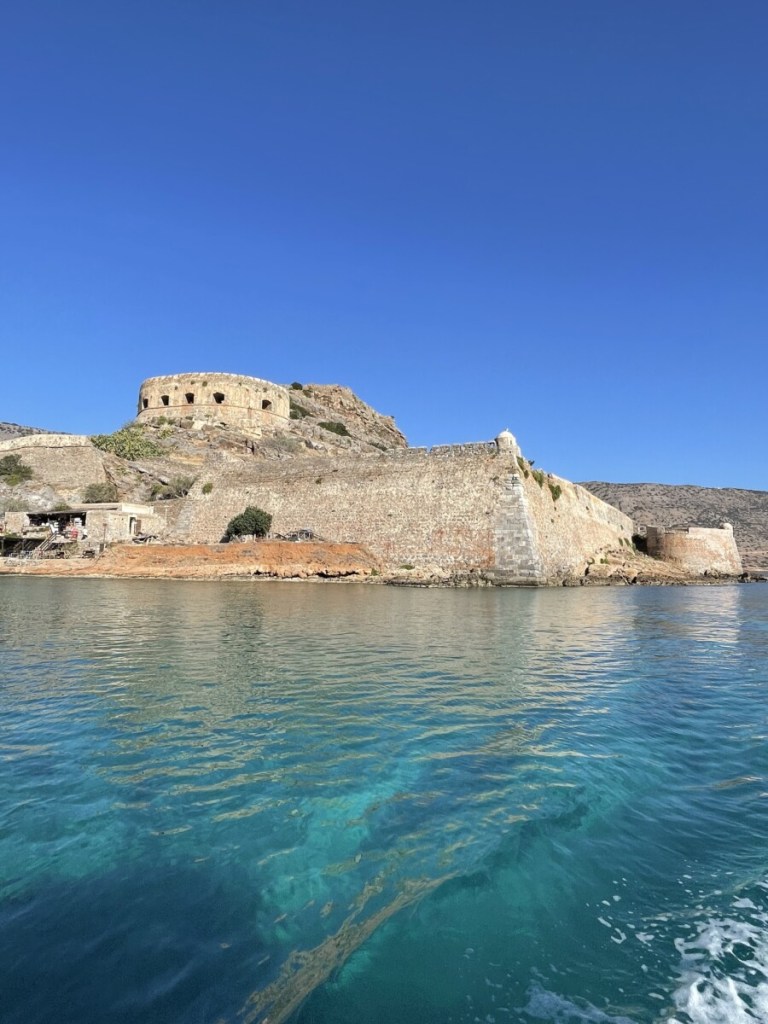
<point x="165" y="399"/>
<point x="266" y="404"/>
<point x="145" y="403"/>
<point x="218" y="397"/>
<point x="190" y="398"/>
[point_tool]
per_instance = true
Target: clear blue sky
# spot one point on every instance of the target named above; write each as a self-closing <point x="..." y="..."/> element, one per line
<point x="549" y="215"/>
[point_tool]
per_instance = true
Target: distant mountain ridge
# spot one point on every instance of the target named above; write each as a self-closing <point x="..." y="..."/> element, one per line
<point x="672" y="505"/>
<point x="11" y="430"/>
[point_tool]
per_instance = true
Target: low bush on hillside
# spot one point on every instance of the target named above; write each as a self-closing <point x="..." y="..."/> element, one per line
<point x="252" y="522"/>
<point x="13" y="471"/>
<point x="296" y="386"/>
<point x="207" y="487"/>
<point x="177" y="487"/>
<point x="298" y="412"/>
<point x="538" y="476"/>
<point x="129" y="442"/>
<point x="335" y="428"/>
<point x="556" y="490"/>
<point x="94" y="494"/>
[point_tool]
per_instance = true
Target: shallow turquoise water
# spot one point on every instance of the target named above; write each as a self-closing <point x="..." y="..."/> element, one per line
<point x="233" y="802"/>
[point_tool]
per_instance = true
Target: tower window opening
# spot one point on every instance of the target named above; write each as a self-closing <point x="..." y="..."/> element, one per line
<point x="218" y="397"/>
<point x="165" y="399"/>
<point x="266" y="404"/>
<point x="190" y="398"/>
<point x="144" y="403"/>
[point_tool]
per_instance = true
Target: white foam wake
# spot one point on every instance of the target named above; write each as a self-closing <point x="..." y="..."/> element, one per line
<point x="724" y="972"/>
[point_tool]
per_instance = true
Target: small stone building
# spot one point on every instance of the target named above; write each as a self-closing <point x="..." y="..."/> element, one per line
<point x="699" y="550"/>
<point x="98" y="524"/>
<point x="245" y="403"/>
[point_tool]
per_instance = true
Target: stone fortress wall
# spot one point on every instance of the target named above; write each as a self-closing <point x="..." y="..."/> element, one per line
<point x="66" y="462"/>
<point x="245" y="403"/>
<point x="697" y="549"/>
<point x="454" y="507"/>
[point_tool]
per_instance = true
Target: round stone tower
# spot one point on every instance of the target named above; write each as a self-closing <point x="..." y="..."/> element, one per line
<point x="245" y="403"/>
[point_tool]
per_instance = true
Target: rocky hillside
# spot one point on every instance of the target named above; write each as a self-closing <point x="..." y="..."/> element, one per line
<point x="10" y="430"/>
<point x="313" y="404"/>
<point x="685" y="505"/>
<point x="162" y="459"/>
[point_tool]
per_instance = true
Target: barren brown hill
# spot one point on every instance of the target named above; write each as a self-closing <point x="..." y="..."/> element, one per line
<point x="685" y="505"/>
<point x="10" y="430"/>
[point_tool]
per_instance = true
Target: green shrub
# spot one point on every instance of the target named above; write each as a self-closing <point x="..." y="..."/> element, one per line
<point x="407" y="565"/>
<point x="296" y="386"/>
<point x="538" y="476"/>
<point x="335" y="428"/>
<point x="177" y="487"/>
<point x="207" y="487"/>
<point x="521" y="462"/>
<point x="13" y="471"/>
<point x="252" y="521"/>
<point x="298" y="412"/>
<point x="130" y="442"/>
<point x="180" y="486"/>
<point x="96" y="493"/>
<point x="556" y="490"/>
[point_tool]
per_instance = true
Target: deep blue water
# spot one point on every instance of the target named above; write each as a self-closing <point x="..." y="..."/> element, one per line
<point x="344" y="804"/>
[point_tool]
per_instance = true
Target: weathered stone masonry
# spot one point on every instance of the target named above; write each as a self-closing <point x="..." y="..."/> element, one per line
<point x="247" y="403"/>
<point x="697" y="549"/>
<point x="66" y="462"/>
<point x="456" y="507"/>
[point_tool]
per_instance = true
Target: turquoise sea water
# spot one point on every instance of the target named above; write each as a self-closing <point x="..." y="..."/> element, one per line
<point x="345" y="804"/>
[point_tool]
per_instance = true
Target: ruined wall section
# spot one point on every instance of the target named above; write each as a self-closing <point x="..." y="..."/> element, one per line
<point x="246" y="403"/>
<point x="697" y="549"/>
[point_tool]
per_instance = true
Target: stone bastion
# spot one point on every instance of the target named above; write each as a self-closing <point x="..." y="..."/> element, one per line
<point x="698" y="549"/>
<point x="247" y="403"/>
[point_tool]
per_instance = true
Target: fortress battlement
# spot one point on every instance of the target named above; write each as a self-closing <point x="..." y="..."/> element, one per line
<point x="247" y="403"/>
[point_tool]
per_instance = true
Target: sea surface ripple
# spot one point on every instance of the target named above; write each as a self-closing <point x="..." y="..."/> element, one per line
<point x="238" y="802"/>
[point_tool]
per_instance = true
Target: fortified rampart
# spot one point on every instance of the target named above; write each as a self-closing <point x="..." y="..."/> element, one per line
<point x="65" y="462"/>
<point x="246" y="403"/>
<point x="455" y="507"/>
<point x="697" y="549"/>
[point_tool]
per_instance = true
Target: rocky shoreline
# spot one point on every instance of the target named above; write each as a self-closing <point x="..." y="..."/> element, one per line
<point x="283" y="560"/>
